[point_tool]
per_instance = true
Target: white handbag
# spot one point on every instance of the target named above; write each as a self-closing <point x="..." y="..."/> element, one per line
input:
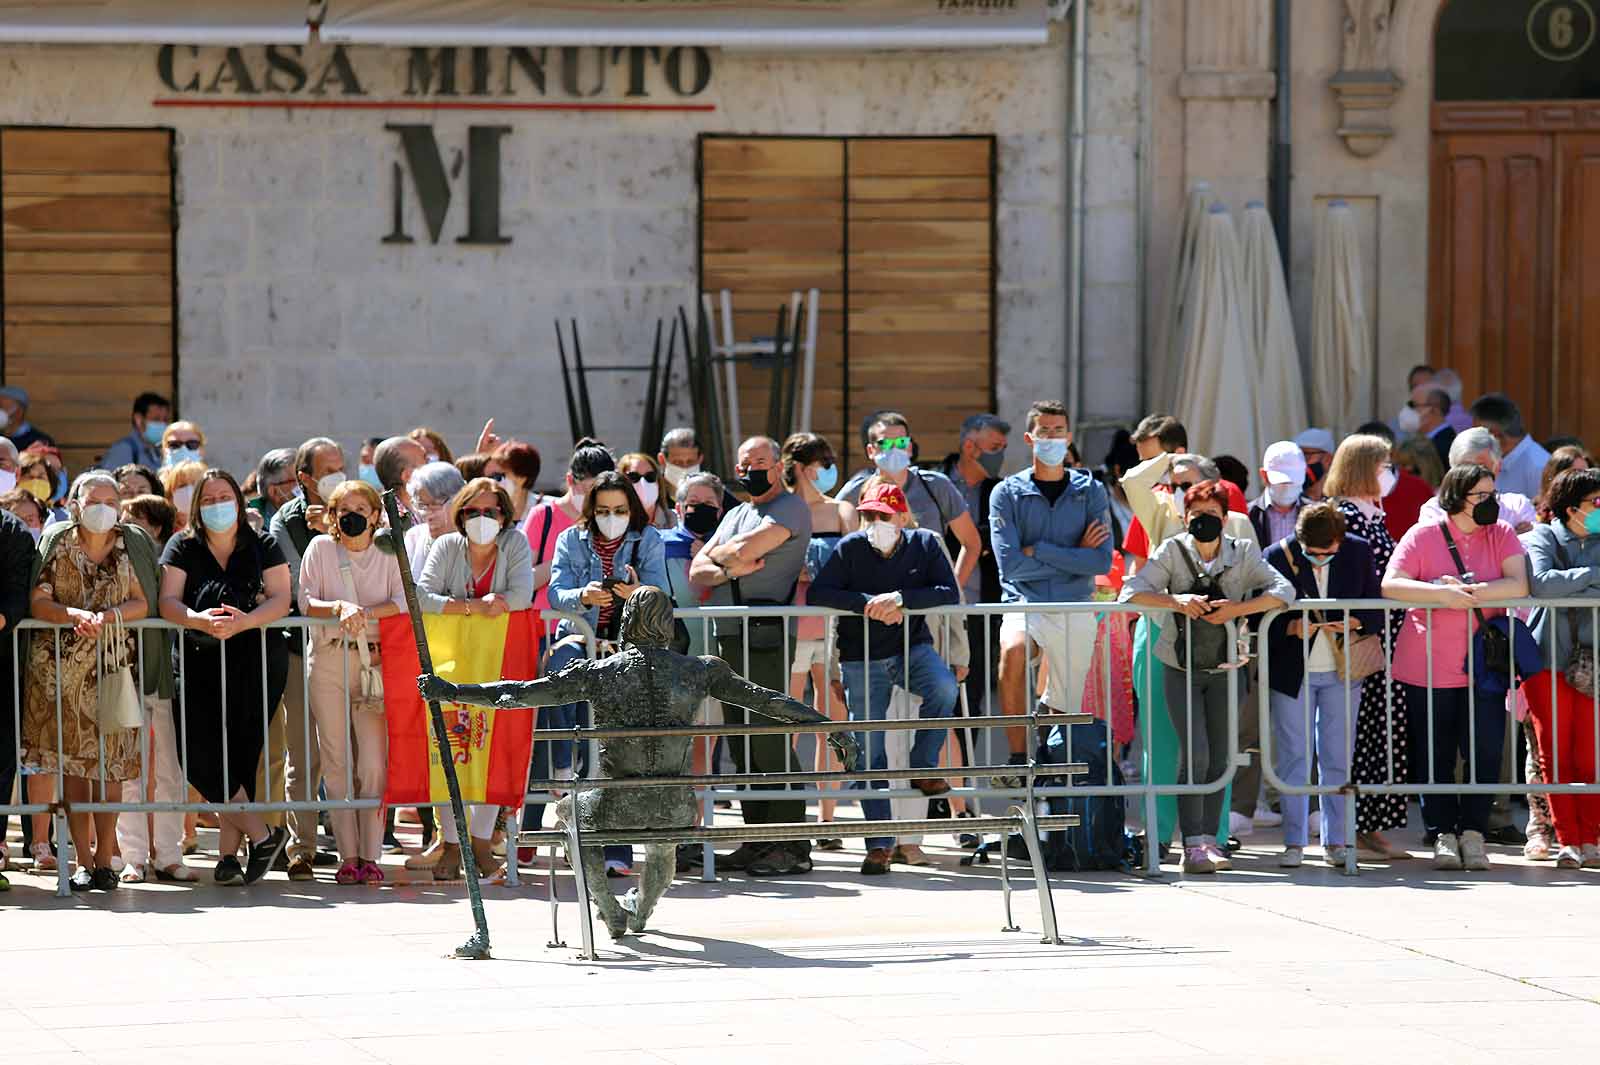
<point x="118" y="702"/>
<point x="367" y="693"/>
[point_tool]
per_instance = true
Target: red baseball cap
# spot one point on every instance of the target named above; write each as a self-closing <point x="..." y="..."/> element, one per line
<point x="884" y="498"/>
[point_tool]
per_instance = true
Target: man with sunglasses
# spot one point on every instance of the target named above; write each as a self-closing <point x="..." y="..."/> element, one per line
<point x="935" y="502"/>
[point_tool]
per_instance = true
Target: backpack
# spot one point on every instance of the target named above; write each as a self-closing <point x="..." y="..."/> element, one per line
<point x="1199" y="645"/>
<point x="1101" y="840"/>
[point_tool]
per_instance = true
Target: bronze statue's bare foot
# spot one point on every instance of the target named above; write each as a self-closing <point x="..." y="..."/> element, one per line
<point x="630" y="904"/>
<point x="617" y="924"/>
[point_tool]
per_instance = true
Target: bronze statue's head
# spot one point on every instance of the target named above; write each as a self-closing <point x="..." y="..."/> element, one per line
<point x="647" y="618"/>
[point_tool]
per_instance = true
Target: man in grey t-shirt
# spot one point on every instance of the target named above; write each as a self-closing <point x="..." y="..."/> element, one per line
<point x="761" y="545"/>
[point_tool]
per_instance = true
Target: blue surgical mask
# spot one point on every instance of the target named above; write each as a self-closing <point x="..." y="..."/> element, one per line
<point x="62" y="484"/>
<point x="220" y="517"/>
<point x="153" y="431"/>
<point x="182" y="454"/>
<point x="1050" y="452"/>
<point x="895" y="460"/>
<point x="827" y="478"/>
<point x="369" y="474"/>
<point x="1591" y="523"/>
<point x="1324" y="560"/>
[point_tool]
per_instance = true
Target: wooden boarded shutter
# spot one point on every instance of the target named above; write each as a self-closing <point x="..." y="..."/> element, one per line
<point x="1576" y="410"/>
<point x="87" y="296"/>
<point x="771" y="223"/>
<point x="921" y="230"/>
<point x="898" y="235"/>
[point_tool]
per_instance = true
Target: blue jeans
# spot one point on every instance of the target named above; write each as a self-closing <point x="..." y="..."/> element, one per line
<point x="1333" y="729"/>
<point x="925" y="675"/>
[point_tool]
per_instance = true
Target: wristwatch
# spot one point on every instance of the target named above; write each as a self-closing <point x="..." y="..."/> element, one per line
<point x="899" y="599"/>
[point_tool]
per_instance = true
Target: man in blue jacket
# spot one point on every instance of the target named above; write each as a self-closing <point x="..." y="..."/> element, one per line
<point x="1051" y="531"/>
<point x="878" y="573"/>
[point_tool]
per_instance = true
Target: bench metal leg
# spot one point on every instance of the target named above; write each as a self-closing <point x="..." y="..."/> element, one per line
<point x="585" y="907"/>
<point x="1041" y="879"/>
<point x="1005" y="883"/>
<point x="555" y="904"/>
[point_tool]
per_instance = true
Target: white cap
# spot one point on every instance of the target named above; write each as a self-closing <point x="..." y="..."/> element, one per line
<point x="1285" y="463"/>
<point x="1315" y="440"/>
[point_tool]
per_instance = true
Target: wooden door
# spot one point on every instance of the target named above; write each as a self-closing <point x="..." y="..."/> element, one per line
<point x="921" y="283"/>
<point x="1576" y="405"/>
<point x="87" y="292"/>
<point x="771" y="223"/>
<point x="1492" y="262"/>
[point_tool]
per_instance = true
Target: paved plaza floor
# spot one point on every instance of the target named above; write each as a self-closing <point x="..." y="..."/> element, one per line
<point x="1259" y="965"/>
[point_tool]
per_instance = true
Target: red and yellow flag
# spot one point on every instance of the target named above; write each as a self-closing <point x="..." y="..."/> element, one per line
<point x="491" y="749"/>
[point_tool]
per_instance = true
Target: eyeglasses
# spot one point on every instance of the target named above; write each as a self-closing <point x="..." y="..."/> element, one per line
<point x="1479" y="497"/>
<point x="895" y="443"/>
<point x="281" y="484"/>
<point x="497" y="478"/>
<point x="1595" y="502"/>
<point x="480" y="512"/>
<point x="648" y="476"/>
<point x="175" y="443"/>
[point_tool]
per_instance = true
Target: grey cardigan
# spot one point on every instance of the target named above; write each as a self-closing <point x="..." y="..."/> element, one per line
<point x="1244" y="574"/>
<point x="447" y="573"/>
<point x="1549" y="580"/>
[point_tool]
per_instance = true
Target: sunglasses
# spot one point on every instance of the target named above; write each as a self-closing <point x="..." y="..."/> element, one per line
<point x="895" y="443"/>
<point x="497" y="478"/>
<point x="184" y="443"/>
<point x="480" y="512"/>
<point x="649" y="476"/>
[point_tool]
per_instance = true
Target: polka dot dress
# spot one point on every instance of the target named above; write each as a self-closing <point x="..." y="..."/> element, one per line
<point x="1373" y="763"/>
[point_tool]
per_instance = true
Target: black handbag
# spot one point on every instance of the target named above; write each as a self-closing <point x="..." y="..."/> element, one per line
<point x="763" y="634"/>
<point x="1204" y="646"/>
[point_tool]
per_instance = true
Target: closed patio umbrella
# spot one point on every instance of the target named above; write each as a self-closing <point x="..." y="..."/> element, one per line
<point x="1218" y="402"/>
<point x="1167" y="382"/>
<point x="1341" y="347"/>
<point x="1280" y="384"/>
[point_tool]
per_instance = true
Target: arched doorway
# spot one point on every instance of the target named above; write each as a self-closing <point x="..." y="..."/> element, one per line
<point x="1514" y="286"/>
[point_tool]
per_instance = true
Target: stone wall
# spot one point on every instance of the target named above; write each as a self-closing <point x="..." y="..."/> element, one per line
<point x="296" y="319"/>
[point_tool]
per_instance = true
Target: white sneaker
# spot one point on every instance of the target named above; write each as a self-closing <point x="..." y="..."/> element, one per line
<point x="1537" y="848"/>
<point x="1266" y="817"/>
<point x="1473" y="856"/>
<point x="1569" y="858"/>
<point x="1335" y="855"/>
<point x="1291" y="858"/>
<point x="1219" y="857"/>
<point x="1591" y="856"/>
<point x="1240" y="825"/>
<point x="1447" y="852"/>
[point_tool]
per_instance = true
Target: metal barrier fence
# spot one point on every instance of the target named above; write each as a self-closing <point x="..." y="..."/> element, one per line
<point x="1419" y="754"/>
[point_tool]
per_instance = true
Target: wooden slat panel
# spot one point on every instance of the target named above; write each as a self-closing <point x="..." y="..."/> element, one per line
<point x="87" y="256"/>
<point x="950" y="210"/>
<point x="798" y="235"/>
<point x="919" y="236"/>
<point x="913" y="157"/>
<point x="745" y="187"/>
<point x="86" y="151"/>
<point x="793" y="156"/>
<point x="940" y="189"/>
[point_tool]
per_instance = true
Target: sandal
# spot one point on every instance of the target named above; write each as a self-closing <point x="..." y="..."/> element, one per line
<point x="43" y="860"/>
<point x="448" y="868"/>
<point x="105" y="879"/>
<point x="177" y="873"/>
<point x="371" y="872"/>
<point x="349" y="873"/>
<point x="830" y="844"/>
<point x="132" y="874"/>
<point x="910" y="854"/>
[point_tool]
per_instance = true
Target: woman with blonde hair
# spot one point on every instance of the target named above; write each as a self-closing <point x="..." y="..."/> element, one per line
<point x="342" y="577"/>
<point x="645" y="476"/>
<point x="179" y="481"/>
<point x="1361" y="474"/>
<point x="433" y="444"/>
<point x="1418" y="455"/>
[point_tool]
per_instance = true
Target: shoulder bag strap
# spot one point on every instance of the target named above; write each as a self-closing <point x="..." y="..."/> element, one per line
<point x="1572" y="615"/>
<point x="544" y="537"/>
<point x="927" y="486"/>
<point x="1461" y="567"/>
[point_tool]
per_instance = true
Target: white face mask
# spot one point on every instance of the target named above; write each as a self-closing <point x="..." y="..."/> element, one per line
<point x="326" y="486"/>
<point x="482" y="530"/>
<point x="883" y="535"/>
<point x="5" y="419"/>
<point x="1284" y="495"/>
<point x="98" y="518"/>
<point x="611" y="526"/>
<point x="8" y="481"/>
<point x="676" y="474"/>
<point x="183" y="497"/>
<point x="1387" y="479"/>
<point x="648" y="493"/>
<point x="1409" y="421"/>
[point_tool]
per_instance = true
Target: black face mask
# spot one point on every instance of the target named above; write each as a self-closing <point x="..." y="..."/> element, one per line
<point x="353" y="524"/>
<point x="1315" y="472"/>
<point x="1205" y="528"/>
<point x="757" y="482"/>
<point x="1487" y="512"/>
<point x="702" y="519"/>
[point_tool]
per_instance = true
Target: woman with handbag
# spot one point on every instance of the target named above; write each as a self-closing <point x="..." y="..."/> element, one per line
<point x="1360" y="477"/>
<point x="1564" y="557"/>
<point x="1455" y="567"/>
<point x="483" y="567"/>
<point x="342" y="577"/>
<point x="87" y="584"/>
<point x="224" y="583"/>
<point x="600" y="562"/>
<point x="1317" y="662"/>
<point x="1207" y="579"/>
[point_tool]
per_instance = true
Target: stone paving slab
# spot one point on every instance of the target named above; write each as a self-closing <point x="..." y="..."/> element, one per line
<point x="1261" y="964"/>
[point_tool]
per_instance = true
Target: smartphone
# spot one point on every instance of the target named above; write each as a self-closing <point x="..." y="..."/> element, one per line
<point x="610" y="583"/>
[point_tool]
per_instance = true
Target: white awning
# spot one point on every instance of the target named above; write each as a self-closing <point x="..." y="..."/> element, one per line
<point x="788" y="25"/>
<point x="226" y="22"/>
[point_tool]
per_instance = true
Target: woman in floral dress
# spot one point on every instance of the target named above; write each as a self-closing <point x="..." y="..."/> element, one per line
<point x="1361" y="474"/>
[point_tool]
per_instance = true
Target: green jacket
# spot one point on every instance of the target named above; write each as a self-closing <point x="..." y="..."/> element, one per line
<point x="142" y="555"/>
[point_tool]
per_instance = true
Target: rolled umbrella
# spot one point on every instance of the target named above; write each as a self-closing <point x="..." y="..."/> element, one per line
<point x="1218" y="405"/>
<point x="1269" y="329"/>
<point x="1341" y="345"/>
<point x="1167" y="377"/>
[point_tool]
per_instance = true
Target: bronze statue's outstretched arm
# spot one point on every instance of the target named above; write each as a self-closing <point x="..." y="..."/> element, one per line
<point x="729" y="687"/>
<point x="571" y="685"/>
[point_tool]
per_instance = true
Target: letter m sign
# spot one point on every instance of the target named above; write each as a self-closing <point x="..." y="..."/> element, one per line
<point x="432" y="182"/>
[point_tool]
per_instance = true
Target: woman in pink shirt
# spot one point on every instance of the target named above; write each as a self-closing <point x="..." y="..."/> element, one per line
<point x="1451" y="569"/>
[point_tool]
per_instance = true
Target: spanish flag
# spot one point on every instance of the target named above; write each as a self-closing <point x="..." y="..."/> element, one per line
<point x="491" y="749"/>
